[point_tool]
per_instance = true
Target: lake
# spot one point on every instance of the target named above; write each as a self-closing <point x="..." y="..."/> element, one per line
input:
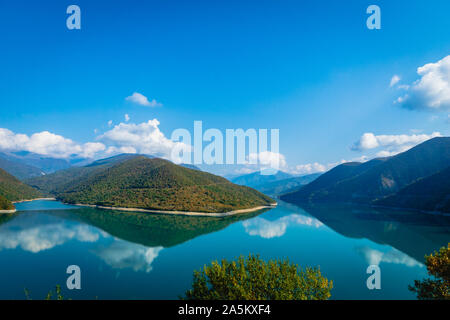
<point x="147" y="256"/>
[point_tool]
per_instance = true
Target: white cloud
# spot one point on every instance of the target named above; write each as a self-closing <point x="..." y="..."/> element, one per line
<point x="432" y="90"/>
<point x="309" y="168"/>
<point x="127" y="117"/>
<point x="268" y="160"/>
<point x="143" y="138"/>
<point x="375" y="257"/>
<point x="142" y="100"/>
<point x="110" y="123"/>
<point x="395" y="79"/>
<point x="47" y="144"/>
<point x="391" y="144"/>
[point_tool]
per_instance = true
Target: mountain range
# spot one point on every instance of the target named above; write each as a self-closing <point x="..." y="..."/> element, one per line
<point x="25" y="165"/>
<point x="275" y="184"/>
<point x="395" y="181"/>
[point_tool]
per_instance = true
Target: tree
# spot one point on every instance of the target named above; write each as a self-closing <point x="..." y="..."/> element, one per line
<point x="254" y="279"/>
<point x="438" y="287"/>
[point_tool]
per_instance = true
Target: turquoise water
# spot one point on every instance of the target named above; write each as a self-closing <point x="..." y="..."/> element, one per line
<point x="147" y="256"/>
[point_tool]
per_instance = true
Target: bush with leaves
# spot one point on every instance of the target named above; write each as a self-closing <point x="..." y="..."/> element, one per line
<point x="254" y="279"/>
<point x="437" y="287"/>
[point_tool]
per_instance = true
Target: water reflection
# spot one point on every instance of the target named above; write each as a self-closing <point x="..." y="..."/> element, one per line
<point x="123" y="255"/>
<point x="414" y="234"/>
<point x="274" y="229"/>
<point x="36" y="235"/>
<point x="375" y="257"/>
<point x="154" y="230"/>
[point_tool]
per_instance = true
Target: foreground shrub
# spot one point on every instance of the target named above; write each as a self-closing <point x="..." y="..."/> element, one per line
<point x="254" y="279"/>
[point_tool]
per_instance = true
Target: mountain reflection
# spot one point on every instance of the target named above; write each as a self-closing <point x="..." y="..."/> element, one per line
<point x="154" y="230"/>
<point x="412" y="233"/>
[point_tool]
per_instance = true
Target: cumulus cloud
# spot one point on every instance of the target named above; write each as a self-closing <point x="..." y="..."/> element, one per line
<point x="274" y="229"/>
<point x="47" y="144"/>
<point x="431" y="91"/>
<point x="309" y="168"/>
<point x="142" y="100"/>
<point x="268" y="160"/>
<point x="127" y="117"/>
<point x="391" y="144"/>
<point x="143" y="138"/>
<point x="375" y="257"/>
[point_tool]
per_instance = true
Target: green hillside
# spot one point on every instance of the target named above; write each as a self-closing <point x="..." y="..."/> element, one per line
<point x="51" y="184"/>
<point x="427" y="194"/>
<point x="14" y="190"/>
<point x="5" y="204"/>
<point x="140" y="182"/>
<point x="376" y="179"/>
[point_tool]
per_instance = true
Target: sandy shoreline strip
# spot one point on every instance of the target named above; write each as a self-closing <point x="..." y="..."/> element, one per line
<point x="8" y="211"/>
<point x="186" y="213"/>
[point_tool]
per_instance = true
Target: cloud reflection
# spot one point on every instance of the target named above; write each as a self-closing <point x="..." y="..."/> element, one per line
<point x="274" y="229"/>
<point x="375" y="257"/>
<point x="44" y="237"/>
<point x="123" y="255"/>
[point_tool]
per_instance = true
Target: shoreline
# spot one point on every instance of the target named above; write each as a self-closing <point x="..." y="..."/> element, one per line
<point x="174" y="212"/>
<point x="37" y="199"/>
<point x="8" y="211"/>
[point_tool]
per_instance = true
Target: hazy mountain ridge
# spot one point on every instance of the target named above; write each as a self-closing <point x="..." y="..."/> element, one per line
<point x="277" y="184"/>
<point x="20" y="170"/>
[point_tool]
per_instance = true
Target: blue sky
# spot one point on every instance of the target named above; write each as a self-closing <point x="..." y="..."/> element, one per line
<point x="309" y="68"/>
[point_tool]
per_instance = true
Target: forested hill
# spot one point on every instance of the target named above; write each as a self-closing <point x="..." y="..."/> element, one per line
<point x="140" y="182"/>
<point x="14" y="190"/>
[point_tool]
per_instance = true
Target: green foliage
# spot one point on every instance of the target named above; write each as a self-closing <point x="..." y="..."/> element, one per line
<point x="254" y="279"/>
<point x="437" y="287"/>
<point x="155" y="184"/>
<point x="5" y="204"/>
<point x="14" y="190"/>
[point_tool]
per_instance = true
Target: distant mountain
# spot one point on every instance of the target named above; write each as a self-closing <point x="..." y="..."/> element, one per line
<point x="367" y="182"/>
<point x="14" y="190"/>
<point x="427" y="194"/>
<point x="256" y="178"/>
<point x="279" y="187"/>
<point x="19" y="169"/>
<point x="134" y="181"/>
<point x="42" y="163"/>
